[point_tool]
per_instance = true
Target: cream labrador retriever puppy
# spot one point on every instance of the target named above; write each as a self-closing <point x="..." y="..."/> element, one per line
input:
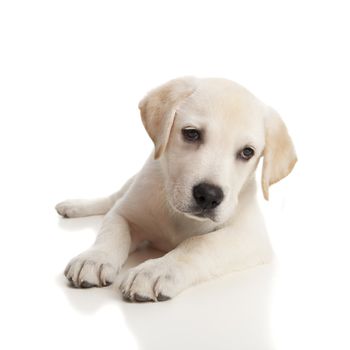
<point x="195" y="198"/>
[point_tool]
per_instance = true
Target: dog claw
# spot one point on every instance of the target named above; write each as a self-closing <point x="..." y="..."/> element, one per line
<point x="162" y="297"/>
<point x="85" y="284"/>
<point x="141" y="298"/>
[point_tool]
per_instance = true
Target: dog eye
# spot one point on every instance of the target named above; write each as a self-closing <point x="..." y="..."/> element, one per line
<point x="191" y="135"/>
<point x="246" y="153"/>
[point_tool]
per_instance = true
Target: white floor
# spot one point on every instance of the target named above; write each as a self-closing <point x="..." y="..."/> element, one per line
<point x="301" y="301"/>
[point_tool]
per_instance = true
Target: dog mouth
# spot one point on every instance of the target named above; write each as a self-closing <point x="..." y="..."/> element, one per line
<point x="201" y="214"/>
<point x="195" y="212"/>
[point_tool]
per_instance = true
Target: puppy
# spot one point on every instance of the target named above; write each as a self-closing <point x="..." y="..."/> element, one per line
<point x="195" y="198"/>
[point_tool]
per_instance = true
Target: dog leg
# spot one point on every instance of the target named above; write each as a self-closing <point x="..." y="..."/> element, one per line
<point x="196" y="259"/>
<point x="75" y="208"/>
<point x="99" y="265"/>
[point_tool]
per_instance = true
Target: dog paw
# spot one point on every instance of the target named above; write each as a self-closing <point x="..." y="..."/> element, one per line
<point x="70" y="208"/>
<point x="91" y="268"/>
<point x="153" y="280"/>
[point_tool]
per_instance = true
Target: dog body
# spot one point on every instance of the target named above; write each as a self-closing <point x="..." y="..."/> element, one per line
<point x="195" y="197"/>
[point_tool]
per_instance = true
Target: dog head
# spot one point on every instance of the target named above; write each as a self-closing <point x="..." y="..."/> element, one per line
<point x="209" y="135"/>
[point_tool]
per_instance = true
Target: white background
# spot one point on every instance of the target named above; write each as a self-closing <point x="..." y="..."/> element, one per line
<point x="71" y="76"/>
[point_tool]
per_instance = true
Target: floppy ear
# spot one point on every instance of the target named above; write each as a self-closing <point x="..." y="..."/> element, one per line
<point x="279" y="152"/>
<point x="159" y="107"/>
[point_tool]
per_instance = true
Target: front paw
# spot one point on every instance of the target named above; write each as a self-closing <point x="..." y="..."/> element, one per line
<point x="69" y="208"/>
<point x="92" y="268"/>
<point x="154" y="280"/>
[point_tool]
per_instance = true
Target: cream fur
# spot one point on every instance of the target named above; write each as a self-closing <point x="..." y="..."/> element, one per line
<point x="156" y="205"/>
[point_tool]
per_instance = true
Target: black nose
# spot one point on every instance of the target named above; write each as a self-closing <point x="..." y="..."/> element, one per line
<point x="207" y="196"/>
